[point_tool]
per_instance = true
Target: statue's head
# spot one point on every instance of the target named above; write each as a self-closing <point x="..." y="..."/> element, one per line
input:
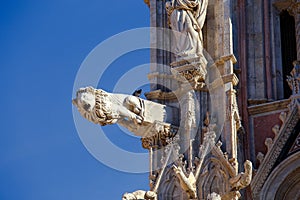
<point x="248" y="166"/>
<point x="168" y="5"/>
<point x="94" y="105"/>
<point x="85" y="99"/>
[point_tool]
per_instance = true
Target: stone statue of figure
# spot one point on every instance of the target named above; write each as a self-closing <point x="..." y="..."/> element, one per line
<point x="243" y="179"/>
<point x="186" y="19"/>
<point x="188" y="184"/>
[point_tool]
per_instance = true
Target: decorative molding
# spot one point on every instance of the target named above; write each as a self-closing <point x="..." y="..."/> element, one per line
<point x="160" y="139"/>
<point x="294" y="79"/>
<point x="272" y="155"/>
<point x="191" y="70"/>
<point x="160" y="95"/>
<point x="252" y="102"/>
<point x="280" y="176"/>
<point x="172" y="96"/>
<point x="154" y="75"/>
<point x="230" y="78"/>
<point x="269" y="107"/>
<point x="226" y="58"/>
<point x="296" y="145"/>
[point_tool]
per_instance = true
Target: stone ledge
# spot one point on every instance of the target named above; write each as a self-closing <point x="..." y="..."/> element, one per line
<point x="231" y="78"/>
<point x="269" y="107"/>
<point x="159" y="75"/>
<point x="160" y="95"/>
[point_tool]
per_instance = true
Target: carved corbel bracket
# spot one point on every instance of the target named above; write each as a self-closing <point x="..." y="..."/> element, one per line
<point x="192" y="70"/>
<point x="161" y="138"/>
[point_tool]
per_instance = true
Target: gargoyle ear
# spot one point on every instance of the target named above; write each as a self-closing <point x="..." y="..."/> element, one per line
<point x="74" y="102"/>
<point x="90" y="89"/>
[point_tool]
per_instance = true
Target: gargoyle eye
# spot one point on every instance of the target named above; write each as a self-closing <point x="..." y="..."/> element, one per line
<point x="86" y="106"/>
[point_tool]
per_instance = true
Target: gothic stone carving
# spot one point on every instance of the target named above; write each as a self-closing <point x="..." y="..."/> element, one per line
<point x="294" y="79"/>
<point x="272" y="155"/>
<point x="219" y="175"/>
<point x="243" y="179"/>
<point x="192" y="70"/>
<point x="296" y="145"/>
<point x="188" y="184"/>
<point x="140" y="195"/>
<point x="133" y="113"/>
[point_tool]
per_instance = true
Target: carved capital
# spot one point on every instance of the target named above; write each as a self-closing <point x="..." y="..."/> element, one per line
<point x="191" y="70"/>
<point x="294" y="8"/>
<point x="161" y="138"/>
<point x="294" y="79"/>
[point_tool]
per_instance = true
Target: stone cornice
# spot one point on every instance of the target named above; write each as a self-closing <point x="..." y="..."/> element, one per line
<point x="269" y="107"/>
<point x="231" y="78"/>
<point x="160" y="95"/>
<point x="160" y="75"/>
<point x="226" y="58"/>
<point x="272" y="155"/>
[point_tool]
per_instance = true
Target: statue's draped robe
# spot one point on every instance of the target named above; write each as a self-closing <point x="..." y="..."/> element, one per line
<point x="187" y="18"/>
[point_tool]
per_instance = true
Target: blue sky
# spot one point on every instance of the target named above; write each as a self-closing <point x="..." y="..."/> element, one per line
<point x="42" y="46"/>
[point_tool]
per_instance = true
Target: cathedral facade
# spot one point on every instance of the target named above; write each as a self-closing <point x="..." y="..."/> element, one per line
<point x="255" y="45"/>
<point x="222" y="118"/>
